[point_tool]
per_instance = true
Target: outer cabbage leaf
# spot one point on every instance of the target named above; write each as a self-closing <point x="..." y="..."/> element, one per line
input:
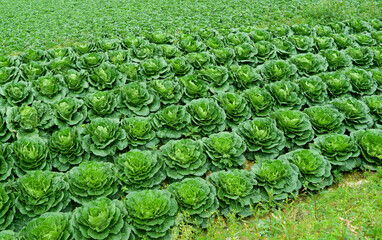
<point x="7" y="207"/>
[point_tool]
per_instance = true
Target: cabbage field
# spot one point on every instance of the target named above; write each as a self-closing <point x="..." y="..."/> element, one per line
<point x="124" y="136"/>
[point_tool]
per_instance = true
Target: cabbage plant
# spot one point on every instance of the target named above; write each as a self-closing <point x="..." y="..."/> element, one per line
<point x="263" y="138"/>
<point x="7" y="207"/>
<point x="315" y="170"/>
<point x="260" y="101"/>
<point x="194" y="87"/>
<point x="237" y="191"/>
<point x="309" y="63"/>
<point x="355" y="111"/>
<point x="91" y="180"/>
<point x="361" y="56"/>
<point x="105" y="45"/>
<point x="49" y="88"/>
<point x="105" y="76"/>
<point x="245" y="76"/>
<point x="66" y="149"/>
<point x="339" y="149"/>
<point x="136" y="98"/>
<point x="362" y="81"/>
<point x="33" y="70"/>
<point x="103" y="136"/>
<point x="336" y="59"/>
<point x="155" y="68"/>
<point x="180" y="66"/>
<point x="206" y="115"/>
<point x="152" y="213"/>
<point x="287" y="95"/>
<point x="260" y="35"/>
<point x="325" y="119"/>
<point x="101" y="104"/>
<point x="344" y="41"/>
<point x="169" y="91"/>
<point x="196" y="199"/>
<point x="9" y="74"/>
<point x="374" y="103"/>
<point x="216" y="76"/>
<point x="184" y="157"/>
<point x="171" y="122"/>
<point x="29" y="118"/>
<point x="338" y="84"/>
<point x="29" y="154"/>
<point x="279" y="177"/>
<point x="69" y="112"/>
<point x="246" y="53"/>
<point x="17" y="93"/>
<point x="55" y="225"/>
<point x="296" y="126"/>
<point x="140" y="169"/>
<point x="369" y="142"/>
<point x="140" y="132"/>
<point x="284" y="48"/>
<point x="265" y="51"/>
<point x="38" y="192"/>
<point x="91" y="60"/>
<point x="303" y="44"/>
<point x="101" y="219"/>
<point x="314" y="90"/>
<point x="278" y="70"/>
<point x="324" y="44"/>
<point x="223" y="56"/>
<point x="364" y="39"/>
<point x="235" y="107"/>
<point x="200" y="60"/>
<point x="76" y="81"/>
<point x="225" y="149"/>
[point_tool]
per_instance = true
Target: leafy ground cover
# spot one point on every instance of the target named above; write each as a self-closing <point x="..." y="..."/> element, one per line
<point x="129" y="135"/>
